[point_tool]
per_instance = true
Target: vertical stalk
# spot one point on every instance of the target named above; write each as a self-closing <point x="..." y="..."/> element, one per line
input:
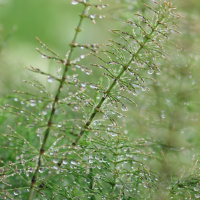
<point x="91" y="177"/>
<point x="115" y="169"/>
<point x="50" y="121"/>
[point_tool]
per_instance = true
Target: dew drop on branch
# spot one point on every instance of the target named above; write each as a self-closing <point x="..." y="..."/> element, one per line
<point x="93" y="86"/>
<point x="158" y="73"/>
<point x="143" y="88"/>
<point x="82" y="56"/>
<point x="41" y="170"/>
<point x="134" y="93"/>
<point x="50" y="79"/>
<point x="65" y="162"/>
<point x="124" y="108"/>
<point x="150" y="71"/>
<point x="33" y="103"/>
<point x="44" y="112"/>
<point x="73" y="162"/>
<point x="119" y="116"/>
<point x="44" y="56"/>
<point x="92" y="16"/>
<point x="55" y="160"/>
<point x="88" y="72"/>
<point x="83" y="84"/>
<point x="16" y="192"/>
<point x="74" y="2"/>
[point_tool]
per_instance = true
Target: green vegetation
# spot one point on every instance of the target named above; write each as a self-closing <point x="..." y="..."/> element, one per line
<point x="117" y="120"/>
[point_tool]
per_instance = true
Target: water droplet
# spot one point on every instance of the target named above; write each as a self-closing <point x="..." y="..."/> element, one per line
<point x="73" y="162"/>
<point x="91" y="161"/>
<point x="41" y="170"/>
<point x="143" y="88"/>
<point x="197" y="195"/>
<point x="50" y="79"/>
<point x="92" y="16"/>
<point x="33" y="102"/>
<point x="88" y="72"/>
<point x="74" y="2"/>
<point x="133" y="61"/>
<point x="55" y="167"/>
<point x="96" y="133"/>
<point x="76" y="108"/>
<point x="65" y="162"/>
<point x="98" y="96"/>
<point x="82" y="56"/>
<point x="55" y="160"/>
<point x="93" y="86"/>
<point x="44" y="56"/>
<point x="150" y="71"/>
<point x="44" y="112"/>
<point x="16" y="192"/>
<point x="83" y="84"/>
<point x="82" y="69"/>
<point x="124" y="108"/>
<point x="59" y="125"/>
<point x="158" y="73"/>
<point x="15" y="99"/>
<point x="105" y="116"/>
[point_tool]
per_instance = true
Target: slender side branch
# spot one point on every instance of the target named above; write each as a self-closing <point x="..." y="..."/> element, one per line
<point x="62" y="82"/>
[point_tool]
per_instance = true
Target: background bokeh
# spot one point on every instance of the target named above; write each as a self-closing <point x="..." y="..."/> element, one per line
<point x="169" y="113"/>
<point x="53" y="22"/>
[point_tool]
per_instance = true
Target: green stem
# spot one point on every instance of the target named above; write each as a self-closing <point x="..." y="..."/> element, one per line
<point x="46" y="135"/>
<point x="91" y="177"/>
<point x="115" y="155"/>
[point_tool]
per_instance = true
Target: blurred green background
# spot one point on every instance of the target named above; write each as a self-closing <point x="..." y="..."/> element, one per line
<point x="51" y="21"/>
<point x="169" y="113"/>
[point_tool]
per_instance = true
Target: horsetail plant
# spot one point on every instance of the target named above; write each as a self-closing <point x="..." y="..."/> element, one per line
<point x="85" y="153"/>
